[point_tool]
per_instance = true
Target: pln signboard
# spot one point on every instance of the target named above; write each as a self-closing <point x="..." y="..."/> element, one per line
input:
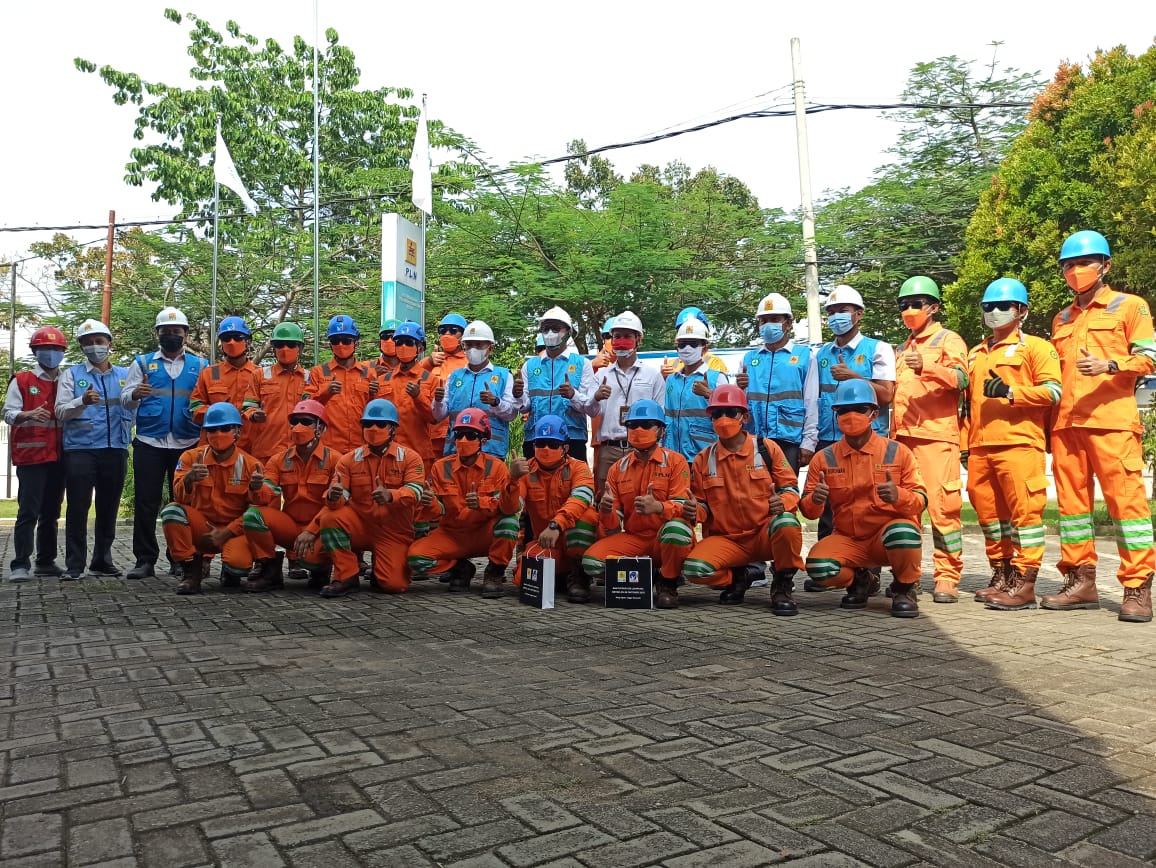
<point x="402" y="270"/>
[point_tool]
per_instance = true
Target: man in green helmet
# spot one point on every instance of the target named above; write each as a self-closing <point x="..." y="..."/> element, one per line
<point x="387" y="361"/>
<point x="930" y="373"/>
<point x="274" y="391"/>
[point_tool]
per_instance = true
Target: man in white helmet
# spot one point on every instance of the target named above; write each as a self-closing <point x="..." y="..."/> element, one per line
<point x="618" y="386"/>
<point x="158" y="386"/>
<point x="479" y="384"/>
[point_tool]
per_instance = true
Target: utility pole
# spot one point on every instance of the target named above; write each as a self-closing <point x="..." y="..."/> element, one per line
<point x="810" y="260"/>
<point x="106" y="299"/>
<point x="11" y="369"/>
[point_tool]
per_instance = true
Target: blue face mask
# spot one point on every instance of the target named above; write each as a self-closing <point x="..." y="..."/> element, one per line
<point x="839" y="323"/>
<point x="771" y="332"/>
<point x="49" y="359"/>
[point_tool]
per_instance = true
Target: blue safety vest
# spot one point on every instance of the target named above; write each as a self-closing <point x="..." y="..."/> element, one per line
<point x="775" y="391"/>
<point x="463" y="389"/>
<point x="861" y="361"/>
<point x="107" y="425"/>
<point x="688" y="427"/>
<point x="166" y="410"/>
<point x="543" y="377"/>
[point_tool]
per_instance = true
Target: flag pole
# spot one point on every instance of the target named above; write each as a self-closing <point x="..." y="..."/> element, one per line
<point x="423" y="219"/>
<point x="213" y="300"/>
<point x="316" y="202"/>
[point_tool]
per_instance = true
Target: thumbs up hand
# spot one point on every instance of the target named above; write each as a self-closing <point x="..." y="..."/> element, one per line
<point x="742" y="379"/>
<point x="91" y="396"/>
<point x="381" y="494"/>
<point x="412" y="389"/>
<point x="667" y="366"/>
<point x="701" y="388"/>
<point x="519" y="467"/>
<point x="519" y="385"/>
<point x="257" y="479"/>
<point x="472" y="499"/>
<point x="488" y="398"/>
<point x="690" y="511"/>
<point x="841" y="372"/>
<point x="777" y="507"/>
<point x="647" y="504"/>
<point x="427" y="494"/>
<point x="914" y="361"/>
<point x="336" y="490"/>
<point x="566" y="390"/>
<point x="821" y="492"/>
<point x="439" y="394"/>
<point x="606" y="503"/>
<point x="888" y="491"/>
<point x="1091" y="366"/>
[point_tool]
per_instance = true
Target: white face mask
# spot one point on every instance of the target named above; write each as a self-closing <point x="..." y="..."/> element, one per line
<point x="999" y="318"/>
<point x="690" y="355"/>
<point x="552" y="339"/>
<point x="475" y="356"/>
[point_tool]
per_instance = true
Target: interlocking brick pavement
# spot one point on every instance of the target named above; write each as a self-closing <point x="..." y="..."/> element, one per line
<point x="140" y="728"/>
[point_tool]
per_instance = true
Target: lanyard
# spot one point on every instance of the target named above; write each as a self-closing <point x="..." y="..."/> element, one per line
<point x="629" y="384"/>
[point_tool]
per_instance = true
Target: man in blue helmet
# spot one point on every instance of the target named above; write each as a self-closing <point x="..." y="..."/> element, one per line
<point x="442" y="363"/>
<point x="228" y="381"/>
<point x="1105" y="342"/>
<point x="410" y="387"/>
<point x="343" y="385"/>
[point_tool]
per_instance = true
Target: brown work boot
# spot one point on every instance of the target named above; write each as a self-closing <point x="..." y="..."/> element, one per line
<point x="904" y="601"/>
<point x="1137" y="605"/>
<point x="266" y="574"/>
<point x="578" y="587"/>
<point x="735" y="592"/>
<point x="1078" y="592"/>
<point x="192" y="572"/>
<point x="1000" y="573"/>
<point x="782" y="589"/>
<point x="1021" y="592"/>
<point x="460" y="575"/>
<point x="340" y="589"/>
<point x="863" y="585"/>
<point x="666" y="594"/>
<point x="492" y="580"/>
<point x="945" y="592"/>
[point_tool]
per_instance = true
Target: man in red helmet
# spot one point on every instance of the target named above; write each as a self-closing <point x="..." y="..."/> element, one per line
<point x="38" y="456"/>
<point x="301" y="475"/>
<point x="477" y="507"/>
<point x="745" y="492"/>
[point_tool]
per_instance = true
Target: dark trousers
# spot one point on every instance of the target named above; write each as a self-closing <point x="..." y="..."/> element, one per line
<point x="151" y="467"/>
<point x="577" y="449"/>
<point x="39" y="498"/>
<point x="99" y="471"/>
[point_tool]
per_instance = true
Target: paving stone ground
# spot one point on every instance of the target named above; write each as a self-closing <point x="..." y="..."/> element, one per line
<point x="139" y="728"/>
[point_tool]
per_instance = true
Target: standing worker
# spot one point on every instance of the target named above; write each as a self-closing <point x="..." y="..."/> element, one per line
<point x="387" y="361"/>
<point x="1014" y="381"/>
<point x="159" y="387"/>
<point x="409" y="387"/>
<point x="450" y="356"/>
<point x="274" y="392"/>
<point x="930" y="375"/>
<point x="688" y="388"/>
<point x="229" y="380"/>
<point x="38" y="455"/>
<point x="97" y="431"/>
<point x="1105" y="342"/>
<point x="479" y="384"/>
<point x="710" y="361"/>
<point x="343" y="385"/>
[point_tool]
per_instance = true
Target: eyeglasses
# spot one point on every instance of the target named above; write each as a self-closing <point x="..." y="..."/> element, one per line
<point x="728" y="412"/>
<point x="344" y="341"/>
<point x="643" y="423"/>
<point x="468" y="434"/>
<point x="280" y="345"/>
<point x="302" y="420"/>
<point x="854" y="408"/>
<point x="405" y="342"/>
<point x="989" y="306"/>
<point x="375" y="423"/>
<point x="911" y="304"/>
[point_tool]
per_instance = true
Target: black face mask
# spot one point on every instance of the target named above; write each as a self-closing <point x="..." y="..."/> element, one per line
<point x="172" y="343"/>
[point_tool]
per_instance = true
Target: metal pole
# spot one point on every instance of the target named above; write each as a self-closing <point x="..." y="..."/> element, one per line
<point x="810" y="260"/>
<point x="425" y="120"/>
<point x="106" y="299"/>
<point x="11" y="370"/>
<point x="316" y="200"/>
<point x="213" y="299"/>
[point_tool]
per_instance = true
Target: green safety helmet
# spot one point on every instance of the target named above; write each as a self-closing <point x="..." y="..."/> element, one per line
<point x="288" y="331"/>
<point x="389" y="327"/>
<point x="919" y="285"/>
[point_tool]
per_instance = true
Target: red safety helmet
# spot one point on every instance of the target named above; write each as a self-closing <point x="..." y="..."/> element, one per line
<point x="48" y="336"/>
<point x="727" y="396"/>
<point x="310" y="407"/>
<point x="472" y="417"/>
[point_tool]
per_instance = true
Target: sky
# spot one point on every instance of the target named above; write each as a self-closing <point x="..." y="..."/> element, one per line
<point x="522" y="79"/>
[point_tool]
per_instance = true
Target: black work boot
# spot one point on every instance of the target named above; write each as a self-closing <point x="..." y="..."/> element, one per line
<point x="863" y="585"/>
<point x="231" y="579"/>
<point x="492" y="581"/>
<point x="192" y="573"/>
<point x="578" y="587"/>
<point x="318" y="578"/>
<point x="904" y="602"/>
<point x="460" y="576"/>
<point x="734" y="593"/>
<point x="666" y="594"/>
<point x="782" y="588"/>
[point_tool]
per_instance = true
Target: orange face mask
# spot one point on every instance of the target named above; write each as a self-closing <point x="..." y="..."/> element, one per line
<point x="449" y="343"/>
<point x="219" y="441"/>
<point x="854" y="424"/>
<point x="466" y="448"/>
<point x="549" y="456"/>
<point x="302" y="434"/>
<point x="915" y="319"/>
<point x="1081" y="278"/>
<point x="343" y="351"/>
<point x="406" y="353"/>
<point x="642" y="438"/>
<point x="232" y="349"/>
<point x="287" y="355"/>
<point x="388" y="348"/>
<point x="376" y="436"/>
<point x="726" y="427"/>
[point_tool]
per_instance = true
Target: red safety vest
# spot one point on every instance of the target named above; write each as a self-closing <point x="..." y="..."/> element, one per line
<point x="35" y="444"/>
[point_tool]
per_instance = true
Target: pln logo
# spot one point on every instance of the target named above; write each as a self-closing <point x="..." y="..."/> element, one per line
<point x="411" y="251"/>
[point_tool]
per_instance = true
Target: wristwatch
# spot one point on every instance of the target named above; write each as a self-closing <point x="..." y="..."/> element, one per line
<point x="1113" y="368"/>
<point x="553" y="525"/>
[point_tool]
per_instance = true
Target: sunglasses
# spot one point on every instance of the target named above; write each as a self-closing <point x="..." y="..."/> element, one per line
<point x="450" y="330"/>
<point x="281" y="345"/>
<point x="728" y="412"/>
<point x="690" y="343"/>
<point x="548" y="444"/>
<point x="342" y="340"/>
<point x="234" y="336"/>
<point x="405" y="342"/>
<point x="989" y="306"/>
<point x="854" y="408"/>
<point x="645" y="423"/>
<point x="912" y="304"/>
<point x="302" y="420"/>
<point x="375" y="423"/>
<point x="468" y="434"/>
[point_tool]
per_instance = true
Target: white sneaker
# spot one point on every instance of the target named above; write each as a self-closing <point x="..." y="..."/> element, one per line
<point x="760" y="583"/>
<point x="20" y="574"/>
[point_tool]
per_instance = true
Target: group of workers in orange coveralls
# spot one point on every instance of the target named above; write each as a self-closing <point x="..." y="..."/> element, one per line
<point x="404" y="459"/>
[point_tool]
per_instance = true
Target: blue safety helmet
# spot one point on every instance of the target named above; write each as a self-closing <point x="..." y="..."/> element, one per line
<point x="688" y="312"/>
<point x="645" y="411"/>
<point x="853" y="392"/>
<point x="342" y="325"/>
<point x="410" y="329"/>
<point x="453" y="319"/>
<point x="550" y="428"/>
<point x="233" y="324"/>
<point x="1005" y="289"/>
<point x="1085" y="243"/>
<point x="379" y="410"/>
<point x="221" y="415"/>
<point x="608" y="325"/>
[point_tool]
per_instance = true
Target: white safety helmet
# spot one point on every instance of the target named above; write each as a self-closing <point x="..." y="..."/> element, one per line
<point x="693" y="328"/>
<point x="557" y="314"/>
<point x="628" y="319"/>
<point x="844" y="294"/>
<point x="92" y="327"/>
<point x="171" y="316"/>
<point x="478" y="331"/>
<point x="775" y="303"/>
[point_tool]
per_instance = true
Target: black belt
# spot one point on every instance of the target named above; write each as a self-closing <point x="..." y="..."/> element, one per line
<point x="621" y="444"/>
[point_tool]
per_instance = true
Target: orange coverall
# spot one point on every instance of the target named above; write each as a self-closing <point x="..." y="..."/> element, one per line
<point x="276" y="390"/>
<point x="665" y="537"/>
<point x="565" y="495"/>
<point x="925" y="419"/>
<point x="1097" y="431"/>
<point x="343" y="410"/>
<point x="441" y="373"/>
<point x="224" y="382"/>
<point x="491" y="529"/>
<point x="1006" y="441"/>
<point x="301" y="485"/>
<point x="733" y="491"/>
<point x="868" y="532"/>
<point x="218" y="501"/>
<point x="415" y="415"/>
<point x="356" y="523"/>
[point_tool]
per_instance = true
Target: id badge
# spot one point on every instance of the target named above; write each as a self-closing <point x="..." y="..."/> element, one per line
<point x="622" y="411"/>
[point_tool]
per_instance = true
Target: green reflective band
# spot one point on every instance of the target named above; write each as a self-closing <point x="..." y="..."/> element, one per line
<point x="787" y="488"/>
<point x="1134" y="534"/>
<point x="1144" y="348"/>
<point x="420" y="564"/>
<point x="580" y="537"/>
<point x="787" y="519"/>
<point x="416" y="488"/>
<point x="950" y="542"/>
<point x="901" y="536"/>
<point x="253" y="520"/>
<point x="823" y="569"/>
<point x="1030" y="537"/>
<point x="174" y="514"/>
<point x="583" y="494"/>
<point x="693" y="568"/>
<point x="592" y="566"/>
<point x="335" y="539"/>
<point x="675" y="533"/>
<point x="507" y="527"/>
<point x="961" y="379"/>
<point x="1054" y="389"/>
<point x="992" y="532"/>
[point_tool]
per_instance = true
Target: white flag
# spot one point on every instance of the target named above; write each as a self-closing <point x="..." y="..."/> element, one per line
<point x="419" y="165"/>
<point x="225" y="173"/>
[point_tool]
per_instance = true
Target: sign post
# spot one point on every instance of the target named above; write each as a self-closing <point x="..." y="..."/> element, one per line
<point x="402" y="270"/>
